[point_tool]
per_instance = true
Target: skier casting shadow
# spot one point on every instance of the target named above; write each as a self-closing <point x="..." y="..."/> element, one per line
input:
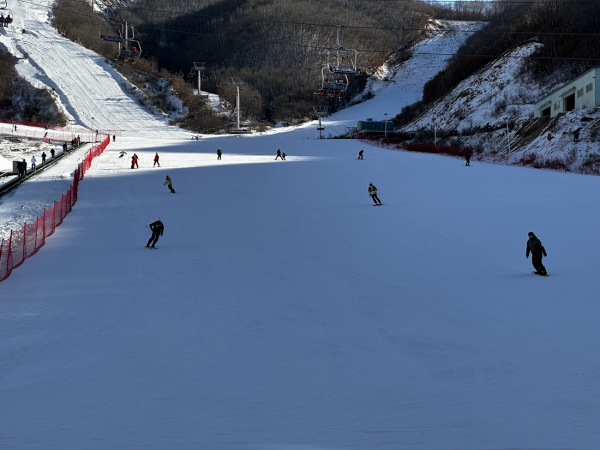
<point x="373" y="194"/>
<point x="168" y="182"/>
<point x="158" y="229"/>
<point x="468" y="159"/>
<point x="534" y="245"/>
<point x="278" y="154"/>
<point x="360" y="154"/>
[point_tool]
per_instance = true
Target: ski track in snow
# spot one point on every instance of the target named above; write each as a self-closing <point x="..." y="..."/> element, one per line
<point x="281" y="310"/>
<point x="88" y="87"/>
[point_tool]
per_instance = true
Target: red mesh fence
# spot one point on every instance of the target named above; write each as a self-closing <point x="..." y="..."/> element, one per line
<point x="28" y="240"/>
<point x="421" y="148"/>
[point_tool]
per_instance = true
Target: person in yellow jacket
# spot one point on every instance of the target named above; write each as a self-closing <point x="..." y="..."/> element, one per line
<point x="169" y="184"/>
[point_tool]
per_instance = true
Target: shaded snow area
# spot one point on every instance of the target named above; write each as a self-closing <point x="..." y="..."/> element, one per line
<point x="398" y="86"/>
<point x="480" y="107"/>
<point x="282" y="310"/>
<point x="89" y="89"/>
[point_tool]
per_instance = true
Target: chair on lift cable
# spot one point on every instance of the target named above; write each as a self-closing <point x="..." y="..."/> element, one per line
<point x="5" y="21"/>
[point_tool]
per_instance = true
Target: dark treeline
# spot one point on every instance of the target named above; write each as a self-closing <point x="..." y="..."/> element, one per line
<point x="280" y="62"/>
<point x="511" y="24"/>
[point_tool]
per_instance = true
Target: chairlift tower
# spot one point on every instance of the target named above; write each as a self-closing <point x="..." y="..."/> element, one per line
<point x="238" y="82"/>
<point x="321" y="111"/>
<point x="200" y="67"/>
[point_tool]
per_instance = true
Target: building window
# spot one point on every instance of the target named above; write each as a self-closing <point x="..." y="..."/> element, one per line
<point x="580" y="93"/>
<point x="556" y="106"/>
<point x="589" y="88"/>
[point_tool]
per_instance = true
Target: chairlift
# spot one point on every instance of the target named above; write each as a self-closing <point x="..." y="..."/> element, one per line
<point x="343" y="54"/>
<point x="334" y="75"/>
<point x="5" y="20"/>
<point x="131" y="49"/>
<point x="110" y="37"/>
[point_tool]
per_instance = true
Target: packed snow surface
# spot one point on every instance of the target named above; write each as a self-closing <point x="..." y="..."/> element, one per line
<point x="283" y="311"/>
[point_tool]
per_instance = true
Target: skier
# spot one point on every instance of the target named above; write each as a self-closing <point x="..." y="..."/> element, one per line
<point x="134" y="161"/>
<point x="219" y="153"/>
<point x="122" y="153"/>
<point x="278" y="154"/>
<point x="158" y="229"/>
<point x="169" y="184"/>
<point x="373" y="194"/>
<point x="534" y="245"/>
<point x="283" y="156"/>
<point x="468" y="159"/>
<point x="360" y="154"/>
<point x="43" y="158"/>
<point x="52" y="152"/>
<point x="156" y="160"/>
<point x="114" y="138"/>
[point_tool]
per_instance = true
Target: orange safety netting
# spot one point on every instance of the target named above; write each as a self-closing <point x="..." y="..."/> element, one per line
<point x="28" y="240"/>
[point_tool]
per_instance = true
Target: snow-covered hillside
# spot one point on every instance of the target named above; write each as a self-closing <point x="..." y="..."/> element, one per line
<point x="401" y="85"/>
<point x="90" y="90"/>
<point x="480" y="107"/>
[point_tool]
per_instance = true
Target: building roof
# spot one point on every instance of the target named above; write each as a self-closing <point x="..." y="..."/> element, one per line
<point x="556" y="90"/>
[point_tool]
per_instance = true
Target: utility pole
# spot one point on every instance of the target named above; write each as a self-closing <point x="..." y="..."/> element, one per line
<point x="508" y="138"/>
<point x="385" y="130"/>
<point x="238" y="82"/>
<point x="199" y="66"/>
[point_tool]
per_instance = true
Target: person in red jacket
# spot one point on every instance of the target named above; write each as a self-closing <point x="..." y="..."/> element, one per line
<point x="134" y="161"/>
<point x="360" y="154"/>
<point x="156" y="160"/>
<point x="373" y="194"/>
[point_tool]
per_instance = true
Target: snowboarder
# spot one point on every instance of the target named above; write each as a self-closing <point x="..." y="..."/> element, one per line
<point x="534" y="245"/>
<point x="158" y="229"/>
<point x="122" y="153"/>
<point x="360" y="154"/>
<point x="156" y="161"/>
<point x="468" y="159"/>
<point x="283" y="156"/>
<point x="134" y="161"/>
<point x="278" y="154"/>
<point x="169" y="184"/>
<point x="373" y="194"/>
<point x="43" y="158"/>
<point x="52" y="151"/>
<point x="219" y="153"/>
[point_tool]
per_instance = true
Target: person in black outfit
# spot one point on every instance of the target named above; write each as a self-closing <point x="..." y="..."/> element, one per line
<point x="157" y="228"/>
<point x="468" y="159"/>
<point x="534" y="245"/>
<point x="278" y="154"/>
<point x="219" y="153"/>
<point x="114" y="137"/>
<point x="43" y="158"/>
<point x="20" y="169"/>
<point x="52" y="151"/>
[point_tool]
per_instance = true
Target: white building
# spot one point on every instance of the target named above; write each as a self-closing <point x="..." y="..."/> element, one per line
<point x="582" y="92"/>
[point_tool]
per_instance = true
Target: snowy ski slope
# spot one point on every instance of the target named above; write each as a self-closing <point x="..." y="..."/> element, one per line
<point x="89" y="89"/>
<point x="283" y="311"/>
